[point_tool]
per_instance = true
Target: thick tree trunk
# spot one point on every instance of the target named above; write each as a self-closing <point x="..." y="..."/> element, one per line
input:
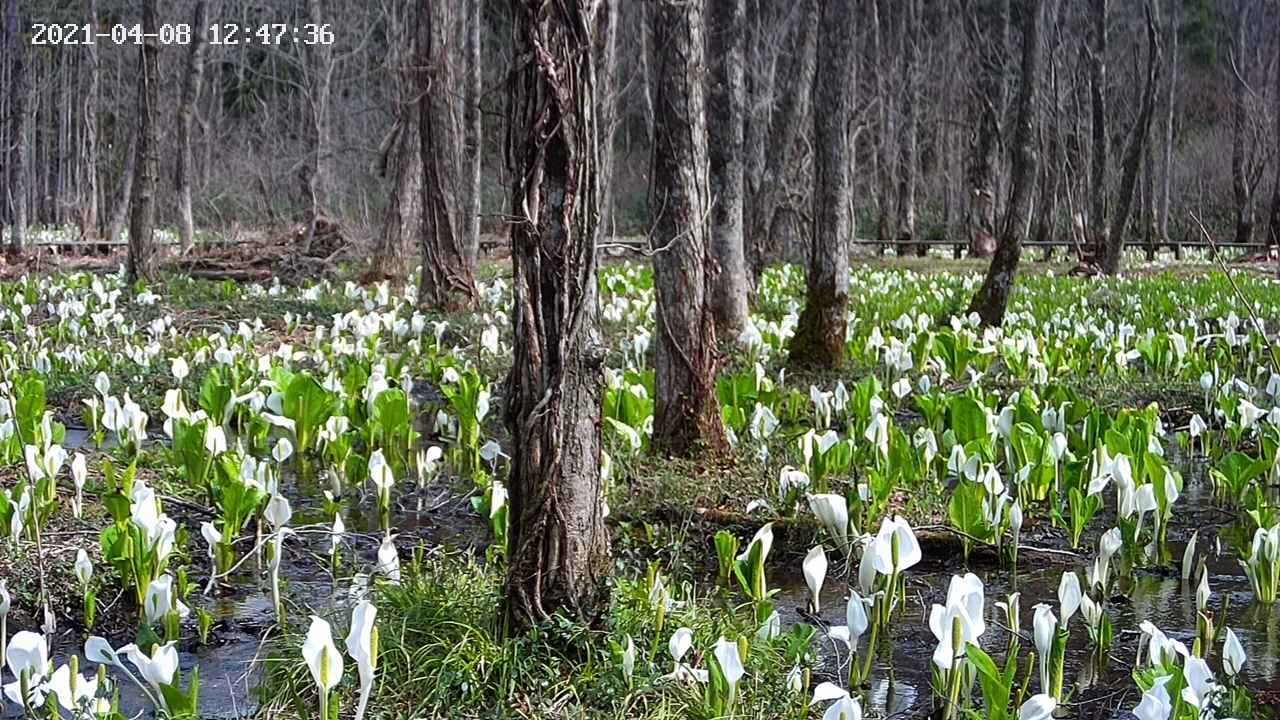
<point x="19" y="122"/>
<point x="686" y="415"/>
<point x="993" y="297"/>
<point x="725" y="106"/>
<point x="784" y="132"/>
<point x="1133" y="150"/>
<point x="1097" y="216"/>
<point x="990" y="27"/>
<point x="909" y="144"/>
<point x="473" y="137"/>
<point x="400" y="157"/>
<point x="820" y="333"/>
<point x="191" y="84"/>
<point x="558" y="552"/>
<point x="1241" y="187"/>
<point x="142" y="211"/>
<point x="1046" y="217"/>
<point x="448" y="278"/>
<point x="89" y="209"/>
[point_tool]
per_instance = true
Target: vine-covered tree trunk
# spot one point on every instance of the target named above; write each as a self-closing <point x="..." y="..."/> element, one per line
<point x="448" y="278"/>
<point x="725" y="111"/>
<point x="993" y="297"/>
<point x="191" y="83"/>
<point x="142" y="211"/>
<point x="992" y="17"/>
<point x="1132" y="159"/>
<point x="399" y="157"/>
<point x="686" y="414"/>
<point x="473" y="132"/>
<point x="820" y="333"/>
<point x="558" y="547"/>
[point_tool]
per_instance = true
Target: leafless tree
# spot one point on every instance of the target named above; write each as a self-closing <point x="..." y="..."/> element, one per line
<point x="725" y="116"/>
<point x="686" y="415"/>
<point x="142" y="211"/>
<point x="473" y="133"/>
<point x="399" y="157"/>
<point x="820" y="333"/>
<point x="192" y="81"/>
<point x="993" y="297"/>
<point x="448" y="278"/>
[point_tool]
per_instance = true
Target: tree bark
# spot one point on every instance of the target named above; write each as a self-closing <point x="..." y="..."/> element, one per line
<point x="124" y="193"/>
<point x="725" y="110"/>
<point x="192" y="81"/>
<point x="89" y="212"/>
<point x="1133" y="150"/>
<point x="990" y="27"/>
<point x="1241" y="187"/>
<point x="1166" y="180"/>
<point x="558" y="543"/>
<point x="473" y="133"/>
<point x="1097" y="216"/>
<point x="908" y="147"/>
<point x="993" y="297"/>
<point x="317" y="171"/>
<point x="780" y="153"/>
<point x="760" y="82"/>
<point x="142" y="212"/>
<point x="608" y="103"/>
<point x="1275" y="188"/>
<point x="686" y="412"/>
<point x="448" y="278"/>
<point x="19" y="123"/>
<point x="400" y="157"/>
<point x="820" y="333"/>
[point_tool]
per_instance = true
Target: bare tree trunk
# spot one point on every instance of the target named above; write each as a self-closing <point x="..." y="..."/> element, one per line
<point x="820" y="333"/>
<point x="124" y="193"/>
<point x="558" y="543"/>
<point x="19" y="123"/>
<point x="885" y="168"/>
<point x="608" y="101"/>
<point x="142" y="211"/>
<point x="89" y="213"/>
<point x="909" y="144"/>
<point x="1097" y="216"/>
<point x="1275" y="188"/>
<point x="448" y="279"/>
<point x="990" y="27"/>
<point x="781" y="150"/>
<point x="400" y="156"/>
<point x="1241" y="187"/>
<point x="191" y="83"/>
<point x="725" y="106"/>
<point x="1166" y="180"/>
<point x="993" y="297"/>
<point x="317" y="173"/>
<point x="1051" y="168"/>
<point x="473" y="137"/>
<point x="686" y="415"/>
<point x="760" y="81"/>
<point x="1133" y="149"/>
<point x="1149" y="216"/>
